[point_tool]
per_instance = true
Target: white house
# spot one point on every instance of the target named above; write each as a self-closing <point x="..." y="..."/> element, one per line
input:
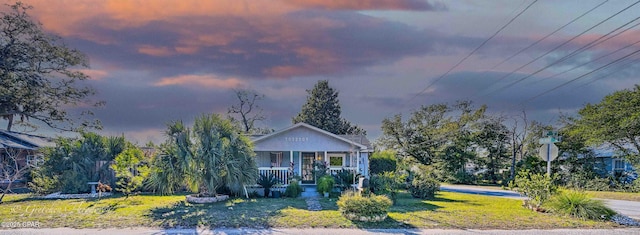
<point x="293" y="151"/>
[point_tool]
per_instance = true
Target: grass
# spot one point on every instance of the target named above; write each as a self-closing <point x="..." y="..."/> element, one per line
<point x="615" y="195"/>
<point x="447" y="210"/>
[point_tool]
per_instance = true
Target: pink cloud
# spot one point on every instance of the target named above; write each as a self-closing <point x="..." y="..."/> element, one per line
<point x="155" y="51"/>
<point x="414" y="5"/>
<point x="94" y="74"/>
<point x="204" y="81"/>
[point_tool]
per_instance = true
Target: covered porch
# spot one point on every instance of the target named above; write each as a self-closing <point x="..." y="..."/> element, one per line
<point x="286" y="165"/>
<point x="302" y="149"/>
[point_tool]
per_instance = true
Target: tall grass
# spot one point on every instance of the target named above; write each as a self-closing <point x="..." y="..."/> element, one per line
<point x="579" y="205"/>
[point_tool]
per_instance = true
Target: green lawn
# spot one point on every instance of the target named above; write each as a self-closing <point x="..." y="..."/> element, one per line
<point x="615" y="195"/>
<point x="447" y="210"/>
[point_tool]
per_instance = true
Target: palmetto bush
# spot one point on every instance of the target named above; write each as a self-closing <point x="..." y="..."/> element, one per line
<point x="579" y="205"/>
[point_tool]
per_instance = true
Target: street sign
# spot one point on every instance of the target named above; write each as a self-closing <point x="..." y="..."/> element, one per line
<point x="549" y="140"/>
<point x="548" y="152"/>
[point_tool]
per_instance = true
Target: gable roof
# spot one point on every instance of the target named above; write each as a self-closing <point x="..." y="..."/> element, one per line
<point x="343" y="138"/>
<point x="10" y="139"/>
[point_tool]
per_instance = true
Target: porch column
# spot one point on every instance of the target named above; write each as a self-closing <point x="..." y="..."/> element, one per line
<point x="326" y="161"/>
<point x="290" y="156"/>
<point x="358" y="162"/>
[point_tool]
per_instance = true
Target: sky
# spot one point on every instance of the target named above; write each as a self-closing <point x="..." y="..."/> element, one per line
<point x="158" y="61"/>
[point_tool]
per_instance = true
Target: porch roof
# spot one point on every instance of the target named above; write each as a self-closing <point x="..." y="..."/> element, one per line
<point x="10" y="139"/>
<point x="360" y="142"/>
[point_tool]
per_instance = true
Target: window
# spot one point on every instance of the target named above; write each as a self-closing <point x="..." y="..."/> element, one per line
<point x="34" y="160"/>
<point x="276" y="159"/>
<point x="618" y="164"/>
<point x="336" y="160"/>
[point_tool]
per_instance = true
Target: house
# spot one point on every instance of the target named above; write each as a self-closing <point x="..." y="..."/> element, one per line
<point x="613" y="162"/>
<point x="293" y="151"/>
<point x="18" y="151"/>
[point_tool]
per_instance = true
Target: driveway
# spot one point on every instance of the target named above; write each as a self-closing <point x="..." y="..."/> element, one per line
<point x="480" y="190"/>
<point x="627" y="208"/>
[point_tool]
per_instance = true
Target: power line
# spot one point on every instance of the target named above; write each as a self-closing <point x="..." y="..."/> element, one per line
<point x="472" y="52"/>
<point x="548" y="35"/>
<point x="620" y="68"/>
<point x="540" y="40"/>
<point x="600" y="57"/>
<point x="581" y="76"/>
<point x="555" y="48"/>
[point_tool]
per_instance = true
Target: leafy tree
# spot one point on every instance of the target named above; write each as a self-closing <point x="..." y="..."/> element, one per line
<point x="39" y="75"/>
<point x="322" y="110"/>
<point x="431" y="130"/>
<point x="614" y="121"/>
<point x="248" y="110"/>
<point x="492" y="138"/>
<point x="130" y="170"/>
<point x="382" y="161"/>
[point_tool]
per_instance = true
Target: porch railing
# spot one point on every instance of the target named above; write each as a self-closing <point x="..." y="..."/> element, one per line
<point x="335" y="170"/>
<point x="281" y="173"/>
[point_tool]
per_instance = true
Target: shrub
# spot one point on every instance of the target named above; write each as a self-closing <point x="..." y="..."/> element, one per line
<point x="344" y="179"/>
<point x="384" y="161"/>
<point x="424" y="187"/>
<point x="539" y="188"/>
<point x="130" y="170"/>
<point x="387" y="183"/>
<point x="579" y="205"/>
<point x="73" y="182"/>
<point x="42" y="184"/>
<point x="325" y="184"/>
<point x="293" y="189"/>
<point x="597" y="184"/>
<point x="354" y="203"/>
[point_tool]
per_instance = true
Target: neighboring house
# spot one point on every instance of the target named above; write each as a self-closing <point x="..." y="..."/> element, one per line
<point x="20" y="148"/>
<point x="294" y="150"/>
<point x="613" y="162"/>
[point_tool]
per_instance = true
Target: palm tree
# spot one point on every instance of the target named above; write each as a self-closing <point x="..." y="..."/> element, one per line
<point x="213" y="156"/>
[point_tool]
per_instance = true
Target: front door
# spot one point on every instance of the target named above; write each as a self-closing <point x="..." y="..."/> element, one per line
<point x="307" y="168"/>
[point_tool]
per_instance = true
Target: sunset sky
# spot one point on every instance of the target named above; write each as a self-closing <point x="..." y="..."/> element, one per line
<point x="156" y="61"/>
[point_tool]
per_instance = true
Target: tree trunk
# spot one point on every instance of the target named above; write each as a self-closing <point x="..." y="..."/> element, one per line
<point x="9" y="124"/>
<point x="514" y="152"/>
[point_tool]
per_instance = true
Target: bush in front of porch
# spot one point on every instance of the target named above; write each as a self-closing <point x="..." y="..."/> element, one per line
<point x="325" y="184"/>
<point x="267" y="181"/>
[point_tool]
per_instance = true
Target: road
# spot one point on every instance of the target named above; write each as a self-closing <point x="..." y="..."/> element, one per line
<point x="627" y="208"/>
<point x="310" y="231"/>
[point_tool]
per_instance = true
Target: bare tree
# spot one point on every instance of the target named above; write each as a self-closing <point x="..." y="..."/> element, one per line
<point x="11" y="168"/>
<point x="518" y="131"/>
<point x="247" y="109"/>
